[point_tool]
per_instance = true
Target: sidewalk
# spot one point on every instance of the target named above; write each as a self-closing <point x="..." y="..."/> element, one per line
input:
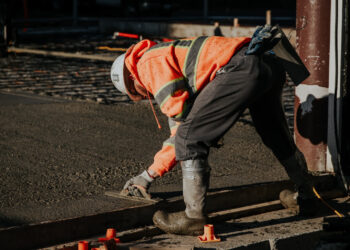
<point x="277" y="230"/>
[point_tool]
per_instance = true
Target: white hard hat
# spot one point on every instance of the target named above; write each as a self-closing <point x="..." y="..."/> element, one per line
<point x="117" y="73"/>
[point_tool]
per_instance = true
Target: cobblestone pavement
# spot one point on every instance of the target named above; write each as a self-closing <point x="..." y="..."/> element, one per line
<point x="60" y="77"/>
<point x="82" y="80"/>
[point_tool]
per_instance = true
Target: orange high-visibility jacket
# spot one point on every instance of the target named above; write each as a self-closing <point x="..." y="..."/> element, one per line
<point x="174" y="72"/>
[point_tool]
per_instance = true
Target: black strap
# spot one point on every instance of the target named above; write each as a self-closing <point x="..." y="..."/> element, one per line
<point x="192" y="60"/>
<point x="169" y="89"/>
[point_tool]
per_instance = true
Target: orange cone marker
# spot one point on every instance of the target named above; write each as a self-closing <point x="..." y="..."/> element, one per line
<point x="208" y="235"/>
<point x="83" y="245"/>
<point x="110" y="234"/>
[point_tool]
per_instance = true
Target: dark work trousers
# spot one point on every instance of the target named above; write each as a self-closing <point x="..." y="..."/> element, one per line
<point x="247" y="81"/>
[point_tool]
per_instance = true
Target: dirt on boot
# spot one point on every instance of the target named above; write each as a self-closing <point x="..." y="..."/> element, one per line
<point x="288" y="199"/>
<point x="298" y="205"/>
<point x="178" y="223"/>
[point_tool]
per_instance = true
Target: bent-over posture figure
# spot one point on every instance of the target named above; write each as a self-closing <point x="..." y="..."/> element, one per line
<point x="203" y="85"/>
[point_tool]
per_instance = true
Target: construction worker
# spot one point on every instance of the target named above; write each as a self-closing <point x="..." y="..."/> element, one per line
<point x="217" y="29"/>
<point x="203" y="85"/>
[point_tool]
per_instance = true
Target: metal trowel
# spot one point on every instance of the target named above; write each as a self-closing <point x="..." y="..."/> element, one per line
<point x="125" y="195"/>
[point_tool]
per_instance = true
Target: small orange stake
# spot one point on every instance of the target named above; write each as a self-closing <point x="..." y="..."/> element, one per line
<point x="208" y="235"/>
<point x="110" y="234"/>
<point x="83" y="245"/>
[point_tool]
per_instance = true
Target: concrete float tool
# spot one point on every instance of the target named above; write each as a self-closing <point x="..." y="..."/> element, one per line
<point x="124" y="195"/>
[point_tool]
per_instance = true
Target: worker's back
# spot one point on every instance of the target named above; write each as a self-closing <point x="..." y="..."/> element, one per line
<point x="174" y="71"/>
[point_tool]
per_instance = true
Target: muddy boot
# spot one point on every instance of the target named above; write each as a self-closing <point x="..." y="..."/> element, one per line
<point x="195" y="175"/>
<point x="303" y="202"/>
<point x="299" y="205"/>
<point x="179" y="223"/>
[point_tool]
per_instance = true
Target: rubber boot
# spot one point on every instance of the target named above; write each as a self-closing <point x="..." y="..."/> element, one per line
<point x="195" y="175"/>
<point x="302" y="202"/>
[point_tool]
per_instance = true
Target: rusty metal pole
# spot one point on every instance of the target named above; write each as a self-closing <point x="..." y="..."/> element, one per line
<point x="311" y="97"/>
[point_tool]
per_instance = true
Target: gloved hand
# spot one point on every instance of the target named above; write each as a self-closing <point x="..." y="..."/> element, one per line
<point x="263" y="39"/>
<point x="138" y="186"/>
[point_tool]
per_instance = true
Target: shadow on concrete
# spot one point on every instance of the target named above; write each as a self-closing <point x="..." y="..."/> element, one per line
<point x="313" y="111"/>
<point x="323" y="210"/>
<point x="10" y="221"/>
<point x="172" y="194"/>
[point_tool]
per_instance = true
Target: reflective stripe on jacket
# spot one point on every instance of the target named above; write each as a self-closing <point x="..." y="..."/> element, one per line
<point x="174" y="73"/>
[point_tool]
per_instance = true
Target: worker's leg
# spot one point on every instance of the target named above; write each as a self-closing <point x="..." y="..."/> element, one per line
<point x="215" y="110"/>
<point x="196" y="175"/>
<point x="268" y="116"/>
<point x="270" y="122"/>
<point x="219" y="106"/>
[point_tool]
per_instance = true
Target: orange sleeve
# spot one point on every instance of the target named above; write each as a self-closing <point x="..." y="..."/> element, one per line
<point x="165" y="160"/>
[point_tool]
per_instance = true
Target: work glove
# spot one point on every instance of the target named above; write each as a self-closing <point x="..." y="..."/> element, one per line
<point x="138" y="186"/>
<point x="263" y="39"/>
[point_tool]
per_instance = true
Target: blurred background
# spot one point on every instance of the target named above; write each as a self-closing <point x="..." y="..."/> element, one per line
<point x="250" y="11"/>
<point x="25" y="18"/>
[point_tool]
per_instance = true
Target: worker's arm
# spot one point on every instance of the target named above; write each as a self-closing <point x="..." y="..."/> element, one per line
<point x="164" y="161"/>
<point x="264" y="39"/>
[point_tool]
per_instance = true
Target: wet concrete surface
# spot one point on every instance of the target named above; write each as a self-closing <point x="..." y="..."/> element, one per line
<point x="58" y="158"/>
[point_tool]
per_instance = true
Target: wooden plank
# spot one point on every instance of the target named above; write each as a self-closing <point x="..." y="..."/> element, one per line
<point x="245" y="211"/>
<point x="62" y="54"/>
<point x="215" y="217"/>
<point x="246" y="195"/>
<point x="54" y="232"/>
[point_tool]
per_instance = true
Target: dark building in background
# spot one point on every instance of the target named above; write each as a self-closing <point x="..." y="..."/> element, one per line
<point x="152" y="8"/>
